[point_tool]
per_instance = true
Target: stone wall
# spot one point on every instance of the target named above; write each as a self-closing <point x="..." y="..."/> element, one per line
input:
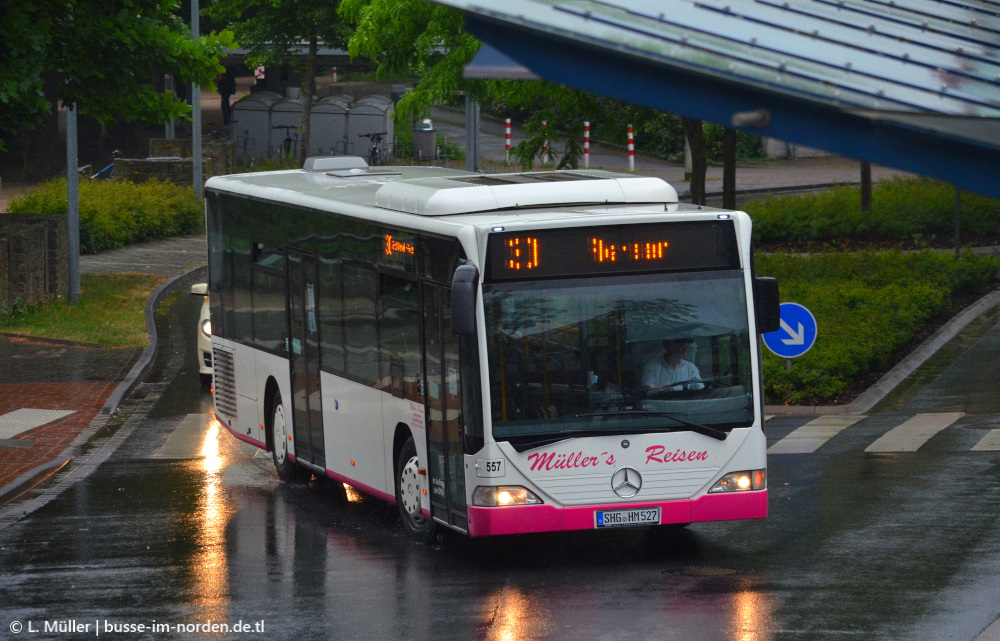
<point x="34" y="258"/>
<point x="170" y="161"/>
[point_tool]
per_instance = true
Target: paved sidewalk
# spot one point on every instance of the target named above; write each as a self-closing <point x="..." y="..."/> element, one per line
<point x="52" y="391"/>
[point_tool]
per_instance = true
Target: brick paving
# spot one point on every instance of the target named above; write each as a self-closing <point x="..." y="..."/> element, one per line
<point x="46" y="442"/>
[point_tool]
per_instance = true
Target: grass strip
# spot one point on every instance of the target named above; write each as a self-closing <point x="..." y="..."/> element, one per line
<point x="110" y="312"/>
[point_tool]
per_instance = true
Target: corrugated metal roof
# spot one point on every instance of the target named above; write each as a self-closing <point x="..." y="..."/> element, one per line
<point x="921" y="66"/>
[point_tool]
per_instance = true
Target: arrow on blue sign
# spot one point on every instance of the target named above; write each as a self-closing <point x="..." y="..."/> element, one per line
<point x="797" y="333"/>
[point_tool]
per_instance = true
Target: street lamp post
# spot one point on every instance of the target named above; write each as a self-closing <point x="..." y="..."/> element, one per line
<point x="196" y="160"/>
<point x="73" y="204"/>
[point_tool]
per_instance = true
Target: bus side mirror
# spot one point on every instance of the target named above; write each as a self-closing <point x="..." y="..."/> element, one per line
<point x="200" y="289"/>
<point x="768" y="307"/>
<point x="463" y="300"/>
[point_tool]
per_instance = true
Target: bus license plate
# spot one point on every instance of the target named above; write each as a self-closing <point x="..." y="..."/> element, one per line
<point x="619" y="518"/>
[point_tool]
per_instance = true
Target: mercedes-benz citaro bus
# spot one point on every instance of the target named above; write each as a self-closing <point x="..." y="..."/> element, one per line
<point x="495" y="354"/>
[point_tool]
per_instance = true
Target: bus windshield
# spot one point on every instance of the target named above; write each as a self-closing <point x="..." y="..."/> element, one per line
<point x="618" y="355"/>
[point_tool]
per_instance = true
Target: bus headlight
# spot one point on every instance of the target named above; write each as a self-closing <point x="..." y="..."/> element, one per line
<point x="741" y="481"/>
<point x="503" y="496"/>
<point x="206" y="327"/>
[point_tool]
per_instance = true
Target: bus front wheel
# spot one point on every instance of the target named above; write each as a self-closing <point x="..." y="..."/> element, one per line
<point x="279" y="441"/>
<point x="418" y="526"/>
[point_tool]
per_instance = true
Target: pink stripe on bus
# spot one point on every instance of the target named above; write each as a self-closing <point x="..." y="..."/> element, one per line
<point x="361" y="487"/>
<point x="244" y="438"/>
<point x="495" y="521"/>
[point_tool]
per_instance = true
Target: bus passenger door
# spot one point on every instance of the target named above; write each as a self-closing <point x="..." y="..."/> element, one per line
<point x="303" y="356"/>
<point x="442" y="398"/>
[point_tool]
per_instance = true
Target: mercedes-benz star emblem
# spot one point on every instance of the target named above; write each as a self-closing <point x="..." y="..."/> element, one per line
<point x="626" y="482"/>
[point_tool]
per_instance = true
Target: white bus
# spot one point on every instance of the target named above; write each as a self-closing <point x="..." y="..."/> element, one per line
<point x="495" y="354"/>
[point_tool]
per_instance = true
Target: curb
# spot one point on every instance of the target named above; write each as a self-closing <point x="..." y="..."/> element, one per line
<point x="26" y="481"/>
<point x="145" y="362"/>
<point x="883" y="386"/>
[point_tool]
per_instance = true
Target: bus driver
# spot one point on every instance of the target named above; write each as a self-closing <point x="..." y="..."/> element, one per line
<point x="665" y="374"/>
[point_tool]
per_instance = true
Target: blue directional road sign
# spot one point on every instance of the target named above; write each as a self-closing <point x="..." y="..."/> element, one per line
<point x="797" y="333"/>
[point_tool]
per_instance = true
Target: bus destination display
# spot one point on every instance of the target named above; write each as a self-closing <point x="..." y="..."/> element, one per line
<point x="603" y="250"/>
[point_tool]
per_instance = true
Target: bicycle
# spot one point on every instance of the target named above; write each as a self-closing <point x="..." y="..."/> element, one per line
<point x="287" y="145"/>
<point x="106" y="173"/>
<point x="375" y="151"/>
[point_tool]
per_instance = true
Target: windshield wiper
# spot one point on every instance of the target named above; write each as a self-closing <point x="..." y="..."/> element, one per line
<point x="695" y="427"/>
<point x="523" y="443"/>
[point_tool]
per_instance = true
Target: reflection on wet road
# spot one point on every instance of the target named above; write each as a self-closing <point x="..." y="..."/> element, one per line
<point x="185" y="525"/>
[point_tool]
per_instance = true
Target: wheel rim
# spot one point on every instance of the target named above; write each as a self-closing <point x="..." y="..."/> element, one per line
<point x="278" y="432"/>
<point x="409" y="490"/>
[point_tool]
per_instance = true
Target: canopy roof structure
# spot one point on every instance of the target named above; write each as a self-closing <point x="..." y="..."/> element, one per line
<point x="913" y="85"/>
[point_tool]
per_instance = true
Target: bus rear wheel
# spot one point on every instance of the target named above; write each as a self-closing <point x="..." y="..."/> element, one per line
<point x="279" y="442"/>
<point x="418" y="526"/>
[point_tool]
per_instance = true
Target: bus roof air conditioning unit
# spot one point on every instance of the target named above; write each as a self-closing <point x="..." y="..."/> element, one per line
<point x="466" y="194"/>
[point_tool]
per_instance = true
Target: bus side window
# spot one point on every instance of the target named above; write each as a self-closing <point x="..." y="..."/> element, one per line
<point x="399" y="337"/>
<point x="268" y="285"/>
<point x="331" y="315"/>
<point x="360" y="323"/>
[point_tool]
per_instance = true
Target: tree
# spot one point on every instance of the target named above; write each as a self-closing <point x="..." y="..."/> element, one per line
<point x="699" y="164"/>
<point x="106" y="52"/>
<point x="416" y="39"/>
<point x="729" y="168"/>
<point x="25" y="34"/>
<point x="271" y="28"/>
<point x="419" y="39"/>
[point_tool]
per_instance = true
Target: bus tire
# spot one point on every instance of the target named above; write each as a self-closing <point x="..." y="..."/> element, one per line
<point x="418" y="526"/>
<point x="279" y="442"/>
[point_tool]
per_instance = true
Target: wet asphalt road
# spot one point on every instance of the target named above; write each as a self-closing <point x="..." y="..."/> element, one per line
<point x="185" y="526"/>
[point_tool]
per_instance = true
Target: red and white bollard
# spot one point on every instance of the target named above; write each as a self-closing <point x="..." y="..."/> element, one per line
<point x="545" y="141"/>
<point x="631" y="150"/>
<point x="507" y="141"/>
<point x="586" y="145"/>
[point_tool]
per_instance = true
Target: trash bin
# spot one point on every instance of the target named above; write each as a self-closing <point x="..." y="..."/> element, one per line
<point x="424" y="141"/>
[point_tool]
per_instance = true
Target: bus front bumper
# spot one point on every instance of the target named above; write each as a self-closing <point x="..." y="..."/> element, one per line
<point x="495" y="521"/>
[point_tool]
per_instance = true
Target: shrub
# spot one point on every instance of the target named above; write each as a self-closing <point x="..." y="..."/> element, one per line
<point x="904" y="210"/>
<point x="114" y="213"/>
<point x="868" y="306"/>
<point x="275" y="164"/>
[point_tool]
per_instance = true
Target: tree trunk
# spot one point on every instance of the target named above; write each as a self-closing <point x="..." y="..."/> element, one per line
<point x="696" y="139"/>
<point x="728" y="168"/>
<point x="308" y="92"/>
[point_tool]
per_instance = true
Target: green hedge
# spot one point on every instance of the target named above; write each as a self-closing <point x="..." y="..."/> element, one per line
<point x="906" y="210"/>
<point x="114" y="213"/>
<point x="868" y="306"/>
